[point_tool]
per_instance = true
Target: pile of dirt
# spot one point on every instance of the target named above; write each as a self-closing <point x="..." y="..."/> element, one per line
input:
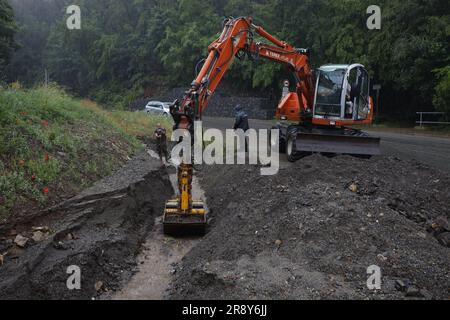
<point x="312" y="231"/>
<point x="100" y="231"/>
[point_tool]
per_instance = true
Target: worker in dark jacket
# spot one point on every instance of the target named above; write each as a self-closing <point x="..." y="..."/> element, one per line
<point x="241" y="122"/>
<point x="161" y="141"/>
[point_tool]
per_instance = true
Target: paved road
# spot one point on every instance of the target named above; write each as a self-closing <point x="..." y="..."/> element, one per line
<point x="433" y="151"/>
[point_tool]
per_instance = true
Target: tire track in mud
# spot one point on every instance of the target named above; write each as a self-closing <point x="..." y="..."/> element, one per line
<point x="160" y="255"/>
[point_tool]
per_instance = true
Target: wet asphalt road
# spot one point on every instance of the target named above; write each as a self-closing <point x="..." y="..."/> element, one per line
<point x="433" y="151"/>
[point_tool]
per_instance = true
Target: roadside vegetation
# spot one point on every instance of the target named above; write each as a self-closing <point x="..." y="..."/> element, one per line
<point x="52" y="145"/>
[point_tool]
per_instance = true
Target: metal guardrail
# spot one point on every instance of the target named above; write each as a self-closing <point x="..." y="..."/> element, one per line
<point x="421" y="121"/>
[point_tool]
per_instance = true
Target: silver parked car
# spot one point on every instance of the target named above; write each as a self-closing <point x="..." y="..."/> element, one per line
<point x="158" y="107"/>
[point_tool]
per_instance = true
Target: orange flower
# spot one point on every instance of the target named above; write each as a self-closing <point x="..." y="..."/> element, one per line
<point x="45" y="123"/>
<point x="23" y="114"/>
<point x="46" y="190"/>
<point x="46" y="157"/>
<point x="22" y="163"/>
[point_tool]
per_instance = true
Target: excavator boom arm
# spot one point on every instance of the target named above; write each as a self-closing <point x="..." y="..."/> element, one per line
<point x="238" y="36"/>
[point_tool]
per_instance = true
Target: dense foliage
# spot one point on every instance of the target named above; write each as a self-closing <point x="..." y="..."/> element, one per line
<point x="7" y="31"/>
<point x="126" y="47"/>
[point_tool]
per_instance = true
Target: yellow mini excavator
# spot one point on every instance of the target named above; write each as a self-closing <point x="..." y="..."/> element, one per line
<point x="184" y="216"/>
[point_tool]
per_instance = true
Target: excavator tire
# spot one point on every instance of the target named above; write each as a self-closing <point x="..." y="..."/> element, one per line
<point x="292" y="153"/>
<point x="282" y="139"/>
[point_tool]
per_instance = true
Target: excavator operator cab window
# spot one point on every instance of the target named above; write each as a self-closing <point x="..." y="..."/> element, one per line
<point x="357" y="94"/>
<point x="329" y="92"/>
<point x="342" y="92"/>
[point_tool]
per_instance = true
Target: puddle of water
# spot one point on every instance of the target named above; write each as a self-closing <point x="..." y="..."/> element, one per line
<point x="155" y="266"/>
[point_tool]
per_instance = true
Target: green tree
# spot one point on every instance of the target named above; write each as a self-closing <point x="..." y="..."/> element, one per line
<point x="7" y="30"/>
<point x="190" y="27"/>
<point x="442" y="97"/>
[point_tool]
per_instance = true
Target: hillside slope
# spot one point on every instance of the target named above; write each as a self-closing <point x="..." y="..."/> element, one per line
<point x="52" y="146"/>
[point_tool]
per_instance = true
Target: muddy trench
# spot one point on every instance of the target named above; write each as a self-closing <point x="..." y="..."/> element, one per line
<point x="160" y="258"/>
<point x="101" y="233"/>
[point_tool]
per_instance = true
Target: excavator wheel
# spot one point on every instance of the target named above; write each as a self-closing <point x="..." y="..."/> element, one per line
<point x="291" y="151"/>
<point x="282" y="139"/>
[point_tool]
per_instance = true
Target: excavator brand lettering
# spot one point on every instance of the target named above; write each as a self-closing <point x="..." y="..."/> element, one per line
<point x="275" y="55"/>
<point x="234" y="148"/>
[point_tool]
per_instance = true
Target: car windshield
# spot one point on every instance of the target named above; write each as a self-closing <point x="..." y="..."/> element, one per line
<point x="329" y="92"/>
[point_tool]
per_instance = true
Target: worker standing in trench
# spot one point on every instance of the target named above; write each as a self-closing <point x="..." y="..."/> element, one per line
<point x="161" y="141"/>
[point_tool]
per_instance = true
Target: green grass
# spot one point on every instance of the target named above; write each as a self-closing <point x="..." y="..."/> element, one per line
<point x="49" y="140"/>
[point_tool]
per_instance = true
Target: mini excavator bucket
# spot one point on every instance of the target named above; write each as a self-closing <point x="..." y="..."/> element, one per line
<point x="184" y="216"/>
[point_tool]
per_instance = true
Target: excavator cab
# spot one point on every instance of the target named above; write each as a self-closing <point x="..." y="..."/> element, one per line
<point x="342" y="94"/>
<point x="342" y="98"/>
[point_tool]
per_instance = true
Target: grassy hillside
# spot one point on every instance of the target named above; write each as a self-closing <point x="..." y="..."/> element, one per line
<point x="52" y="146"/>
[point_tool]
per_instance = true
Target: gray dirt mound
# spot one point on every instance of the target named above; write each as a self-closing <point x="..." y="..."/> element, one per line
<point x="100" y="231"/>
<point x="312" y="231"/>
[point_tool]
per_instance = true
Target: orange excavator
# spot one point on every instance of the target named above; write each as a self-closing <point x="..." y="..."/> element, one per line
<point x="314" y="118"/>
